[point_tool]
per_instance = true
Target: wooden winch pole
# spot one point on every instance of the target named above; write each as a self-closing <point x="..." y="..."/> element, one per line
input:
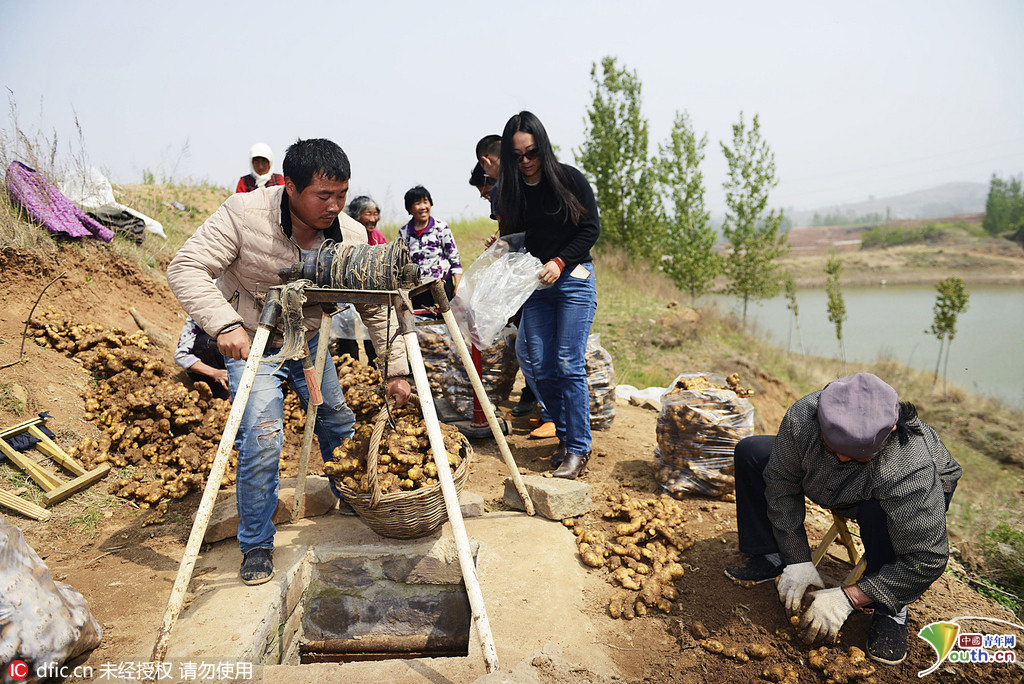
<point x="307" y="436"/>
<point x="447" y="482"/>
<point x="220" y="463"/>
<point x="478" y="387"/>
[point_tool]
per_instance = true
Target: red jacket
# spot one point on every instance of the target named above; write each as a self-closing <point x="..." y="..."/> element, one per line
<point x="247" y="183"/>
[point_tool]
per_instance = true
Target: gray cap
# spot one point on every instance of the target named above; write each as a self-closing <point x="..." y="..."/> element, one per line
<point x="856" y="414"/>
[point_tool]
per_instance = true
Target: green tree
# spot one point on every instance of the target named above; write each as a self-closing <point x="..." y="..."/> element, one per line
<point x="687" y="242"/>
<point x="951" y="302"/>
<point x="836" y="303"/>
<point x="1004" y="207"/>
<point x="752" y="229"/>
<point x="614" y="156"/>
<point x="789" y="290"/>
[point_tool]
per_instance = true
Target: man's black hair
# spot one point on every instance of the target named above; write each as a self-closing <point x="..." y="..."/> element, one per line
<point x="306" y="158"/>
<point x="478" y="178"/>
<point x="489" y="146"/>
<point x="416" y="194"/>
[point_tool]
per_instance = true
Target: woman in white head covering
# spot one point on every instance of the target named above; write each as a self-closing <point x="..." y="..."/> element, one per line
<point x="260" y="160"/>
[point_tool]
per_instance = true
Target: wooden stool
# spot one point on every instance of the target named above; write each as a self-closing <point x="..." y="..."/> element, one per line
<point x="840" y="530"/>
<point x="55" y="490"/>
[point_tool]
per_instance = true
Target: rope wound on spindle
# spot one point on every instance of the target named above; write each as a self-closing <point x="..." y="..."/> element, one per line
<point x="362" y="267"/>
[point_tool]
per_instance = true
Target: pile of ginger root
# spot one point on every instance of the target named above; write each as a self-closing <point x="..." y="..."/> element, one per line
<point x="641" y="555"/>
<point x="162" y="433"/>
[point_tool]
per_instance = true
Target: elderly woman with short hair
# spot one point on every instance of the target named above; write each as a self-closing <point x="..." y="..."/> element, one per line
<point x="366" y="211"/>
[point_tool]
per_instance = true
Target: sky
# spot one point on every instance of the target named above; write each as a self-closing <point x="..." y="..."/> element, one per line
<point x="856" y="100"/>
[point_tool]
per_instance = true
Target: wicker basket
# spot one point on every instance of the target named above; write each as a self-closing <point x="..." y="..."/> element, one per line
<point x="403" y="515"/>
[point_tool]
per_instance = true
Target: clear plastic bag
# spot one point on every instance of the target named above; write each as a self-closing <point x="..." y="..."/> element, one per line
<point x="601" y="383"/>
<point x="697" y="433"/>
<point x="493" y="288"/>
<point x="45" y="623"/>
<point x="498" y="367"/>
<point x="347" y="325"/>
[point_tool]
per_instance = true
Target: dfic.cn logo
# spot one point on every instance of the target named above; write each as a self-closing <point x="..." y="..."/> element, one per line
<point x="18" y="669"/>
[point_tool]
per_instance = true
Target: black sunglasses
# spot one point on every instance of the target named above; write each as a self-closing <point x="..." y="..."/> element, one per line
<point x="530" y="154"/>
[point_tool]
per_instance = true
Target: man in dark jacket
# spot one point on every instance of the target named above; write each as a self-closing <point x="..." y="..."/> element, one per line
<point x="854" y="448"/>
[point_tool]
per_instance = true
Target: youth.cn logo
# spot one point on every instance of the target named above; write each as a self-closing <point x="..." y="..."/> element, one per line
<point x="943" y="636"/>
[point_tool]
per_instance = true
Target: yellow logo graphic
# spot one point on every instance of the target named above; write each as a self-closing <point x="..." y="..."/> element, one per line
<point x="941" y="636"/>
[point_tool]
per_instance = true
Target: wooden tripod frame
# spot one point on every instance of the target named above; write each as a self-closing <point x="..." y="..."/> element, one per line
<point x="401" y="299"/>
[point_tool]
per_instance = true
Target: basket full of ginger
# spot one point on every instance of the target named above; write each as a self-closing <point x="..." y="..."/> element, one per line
<point x="387" y="474"/>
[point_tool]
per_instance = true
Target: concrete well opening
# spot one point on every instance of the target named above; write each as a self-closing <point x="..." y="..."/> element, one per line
<point x="382" y="605"/>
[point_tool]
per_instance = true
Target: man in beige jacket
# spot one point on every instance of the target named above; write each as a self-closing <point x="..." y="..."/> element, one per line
<point x="219" y="276"/>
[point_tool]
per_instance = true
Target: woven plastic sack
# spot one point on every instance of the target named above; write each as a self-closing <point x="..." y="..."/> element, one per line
<point x="42" y="622"/>
<point x="498" y="367"/>
<point x="437" y="351"/>
<point x="697" y="434"/>
<point x="493" y="288"/>
<point x="601" y="383"/>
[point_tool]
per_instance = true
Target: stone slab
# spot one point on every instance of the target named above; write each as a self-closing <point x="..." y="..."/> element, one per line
<point x="319" y="500"/>
<point x="472" y="504"/>
<point x="553" y="497"/>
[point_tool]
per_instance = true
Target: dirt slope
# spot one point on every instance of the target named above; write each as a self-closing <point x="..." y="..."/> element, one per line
<point x="101" y="546"/>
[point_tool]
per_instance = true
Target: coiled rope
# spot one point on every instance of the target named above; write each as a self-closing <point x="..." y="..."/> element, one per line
<point x="369" y="267"/>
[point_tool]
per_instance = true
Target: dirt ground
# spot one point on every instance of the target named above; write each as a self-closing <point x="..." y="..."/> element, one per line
<point x="125" y="569"/>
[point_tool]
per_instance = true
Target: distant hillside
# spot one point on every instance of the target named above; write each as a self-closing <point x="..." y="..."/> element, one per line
<point x="940" y="201"/>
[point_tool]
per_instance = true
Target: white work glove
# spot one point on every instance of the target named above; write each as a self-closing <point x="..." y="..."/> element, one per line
<point x="794" y="582"/>
<point x="827" y="613"/>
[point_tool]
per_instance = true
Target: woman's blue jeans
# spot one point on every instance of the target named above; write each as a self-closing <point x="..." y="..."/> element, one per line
<point x="557" y="321"/>
<point x="261" y="435"/>
<point x="526" y="367"/>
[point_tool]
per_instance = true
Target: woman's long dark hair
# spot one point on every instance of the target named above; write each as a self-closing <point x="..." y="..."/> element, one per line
<point x="512" y="199"/>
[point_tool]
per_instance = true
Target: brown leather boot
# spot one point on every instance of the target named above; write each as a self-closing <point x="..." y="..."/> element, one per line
<point x="573" y="466"/>
<point x="558" y="455"/>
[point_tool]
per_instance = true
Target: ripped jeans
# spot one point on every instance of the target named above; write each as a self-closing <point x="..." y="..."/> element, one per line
<point x="261" y="435"/>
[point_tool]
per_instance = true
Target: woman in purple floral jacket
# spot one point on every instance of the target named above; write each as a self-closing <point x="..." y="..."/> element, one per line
<point x="431" y="245"/>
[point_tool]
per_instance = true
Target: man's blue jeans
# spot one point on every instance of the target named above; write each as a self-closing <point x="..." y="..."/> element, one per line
<point x="557" y="321"/>
<point x="261" y="435"/>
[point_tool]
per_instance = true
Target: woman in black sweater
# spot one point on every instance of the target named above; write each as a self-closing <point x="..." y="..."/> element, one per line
<point x="554" y="205"/>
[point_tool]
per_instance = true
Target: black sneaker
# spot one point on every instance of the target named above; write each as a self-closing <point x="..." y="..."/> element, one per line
<point x="257" y="566"/>
<point x="887" y="639"/>
<point x="757" y="569"/>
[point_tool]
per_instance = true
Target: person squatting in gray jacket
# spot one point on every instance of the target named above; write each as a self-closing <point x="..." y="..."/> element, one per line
<point x="216" y="276"/>
<point x="854" y="448"/>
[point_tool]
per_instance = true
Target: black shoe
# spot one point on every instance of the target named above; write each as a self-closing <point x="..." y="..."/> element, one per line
<point x="558" y="455"/>
<point x="572" y="466"/>
<point x="524" y="407"/>
<point x="257" y="566"/>
<point x="887" y="639"/>
<point x="757" y="569"/>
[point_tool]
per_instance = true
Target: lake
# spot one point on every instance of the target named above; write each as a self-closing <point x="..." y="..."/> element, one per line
<point x="891" y="321"/>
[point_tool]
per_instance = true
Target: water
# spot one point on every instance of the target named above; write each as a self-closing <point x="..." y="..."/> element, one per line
<point x="985" y="356"/>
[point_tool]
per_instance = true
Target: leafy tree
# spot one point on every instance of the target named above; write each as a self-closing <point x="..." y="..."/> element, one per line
<point x="614" y="155"/>
<point x="951" y="302"/>
<point x="688" y="240"/>
<point x="753" y="231"/>
<point x="836" y="303"/>
<point x="789" y="290"/>
<point x="1004" y="207"/>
